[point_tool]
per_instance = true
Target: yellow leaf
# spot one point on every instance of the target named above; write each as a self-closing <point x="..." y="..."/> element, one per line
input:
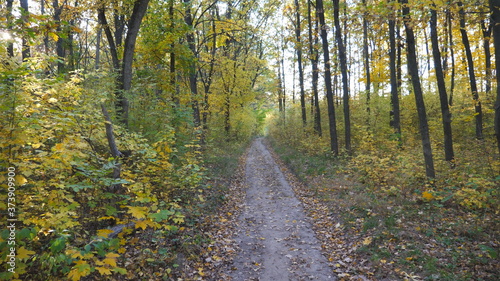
<point x="427" y="195"/>
<point x="137" y="212"/>
<point x="110" y="261"/>
<point x="75" y="254"/>
<point x="367" y="241"/>
<point x="112" y="255"/>
<point x="54" y="36"/>
<point x="200" y="271"/>
<point x="59" y="147"/>
<point x="20" y="180"/>
<point x="103" y="270"/>
<point x="142" y="224"/>
<point x="104" y="233"/>
<point x="23" y="253"/>
<point x="81" y="269"/>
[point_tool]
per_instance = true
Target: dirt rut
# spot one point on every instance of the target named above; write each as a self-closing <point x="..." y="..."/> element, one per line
<point x="275" y="237"/>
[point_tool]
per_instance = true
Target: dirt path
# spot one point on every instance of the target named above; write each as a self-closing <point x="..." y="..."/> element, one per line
<point x="275" y="237"/>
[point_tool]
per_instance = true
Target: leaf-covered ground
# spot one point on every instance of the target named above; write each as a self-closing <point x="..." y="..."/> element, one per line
<point x="366" y="236"/>
<point x="373" y="236"/>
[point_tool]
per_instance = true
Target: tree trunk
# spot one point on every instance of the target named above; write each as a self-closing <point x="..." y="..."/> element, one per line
<point x="60" y="41"/>
<point x="98" y="49"/>
<point x="395" y="121"/>
<point x="328" y="78"/>
<point x="417" y="89"/>
<point x="452" y="56"/>
<point x="315" y="71"/>
<point x="486" y="30"/>
<point x="343" y="70"/>
<point x="280" y="90"/>
<point x="125" y="83"/>
<point x="24" y="17"/>
<point x="299" y="61"/>
<point x="472" y="76"/>
<point x="193" y="77"/>
<point x="443" y="98"/>
<point x="366" y="56"/>
<point x="101" y="15"/>
<point x="495" y="18"/>
<point x="10" y="45"/>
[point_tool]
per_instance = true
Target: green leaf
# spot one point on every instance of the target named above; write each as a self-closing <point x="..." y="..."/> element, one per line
<point x="58" y="245"/>
<point x="120" y="270"/>
<point x="161" y="215"/>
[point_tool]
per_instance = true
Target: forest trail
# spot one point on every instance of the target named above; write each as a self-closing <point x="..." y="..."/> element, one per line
<point x="275" y="237"/>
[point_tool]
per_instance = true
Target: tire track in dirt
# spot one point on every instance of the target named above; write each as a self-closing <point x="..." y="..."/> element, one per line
<point x="275" y="237"/>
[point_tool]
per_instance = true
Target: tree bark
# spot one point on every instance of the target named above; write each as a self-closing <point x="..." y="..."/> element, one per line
<point x="98" y="49"/>
<point x="366" y="56"/>
<point x="315" y="71"/>
<point x="26" y="53"/>
<point x="343" y="69"/>
<point x="10" y="45"/>
<point x="60" y="41"/>
<point x="486" y="30"/>
<point x="452" y="55"/>
<point x="417" y="89"/>
<point x="125" y="83"/>
<point x="443" y="97"/>
<point x="472" y="76"/>
<point x="395" y="121"/>
<point x="101" y="15"/>
<point x="299" y="61"/>
<point x="193" y="77"/>
<point x="113" y="148"/>
<point x="328" y="79"/>
<point x="495" y="18"/>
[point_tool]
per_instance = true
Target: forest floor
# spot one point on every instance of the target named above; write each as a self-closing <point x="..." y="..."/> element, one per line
<point x="275" y="238"/>
<point x="273" y="226"/>
<point x="267" y="235"/>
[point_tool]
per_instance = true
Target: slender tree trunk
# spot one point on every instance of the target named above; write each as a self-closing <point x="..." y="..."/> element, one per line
<point x="299" y="61"/>
<point x="10" y="45"/>
<point x="60" y="41"/>
<point x="193" y="79"/>
<point x="328" y="78"/>
<point x="227" y="115"/>
<point x="486" y="30"/>
<point x="315" y="71"/>
<point x="417" y="89"/>
<point x="101" y="15"/>
<point x="343" y="70"/>
<point x="366" y="56"/>
<point x="283" y="80"/>
<point x="46" y="35"/>
<point x="98" y="49"/>
<point x="472" y="76"/>
<point x="495" y="18"/>
<point x="452" y="55"/>
<point x="134" y="24"/>
<point x="280" y="90"/>
<point x="26" y="53"/>
<point x="443" y="98"/>
<point x="399" y="63"/>
<point x="395" y="121"/>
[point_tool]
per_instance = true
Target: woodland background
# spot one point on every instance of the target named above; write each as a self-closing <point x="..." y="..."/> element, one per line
<point x="124" y="121"/>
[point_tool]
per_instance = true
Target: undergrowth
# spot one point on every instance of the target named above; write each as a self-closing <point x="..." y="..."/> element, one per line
<point x="405" y="225"/>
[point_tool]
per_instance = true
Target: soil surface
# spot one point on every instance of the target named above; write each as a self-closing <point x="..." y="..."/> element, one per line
<point x="275" y="238"/>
